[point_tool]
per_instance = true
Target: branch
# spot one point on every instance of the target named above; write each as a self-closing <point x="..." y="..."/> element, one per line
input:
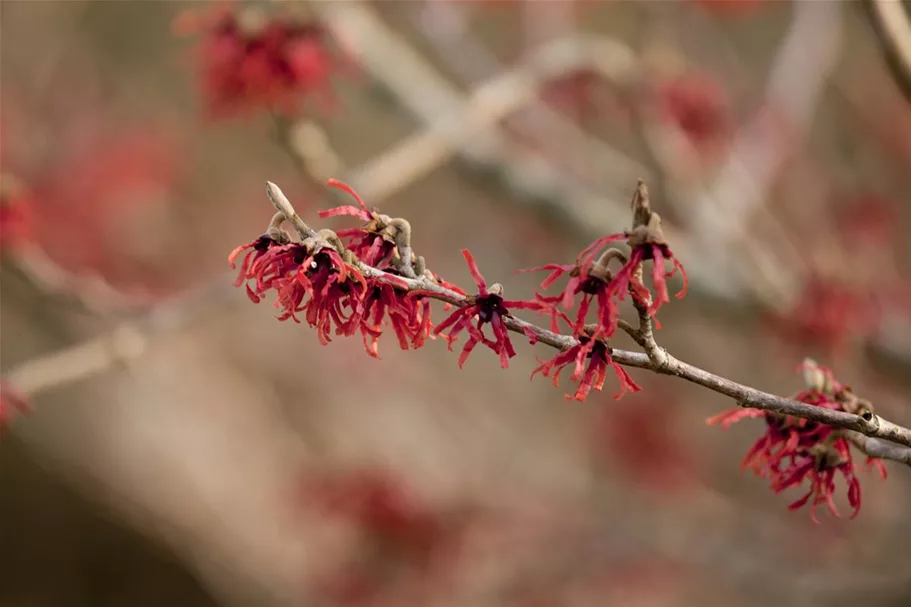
<point x="871" y="428"/>
<point x="872" y="434"/>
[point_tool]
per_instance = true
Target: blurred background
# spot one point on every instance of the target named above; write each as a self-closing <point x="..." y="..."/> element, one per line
<point x="183" y="447"/>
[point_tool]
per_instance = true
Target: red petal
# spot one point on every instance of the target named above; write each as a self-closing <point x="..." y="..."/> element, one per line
<point x="341" y="185"/>
<point x="475" y="273"/>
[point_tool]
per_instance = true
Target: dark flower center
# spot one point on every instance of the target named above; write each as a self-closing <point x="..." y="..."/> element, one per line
<point x="263" y="242"/>
<point x="489" y="306"/>
<point x="592" y="285"/>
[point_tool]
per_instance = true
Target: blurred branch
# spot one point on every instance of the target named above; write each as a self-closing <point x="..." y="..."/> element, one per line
<point x="892" y="22"/>
<point x="87" y="292"/>
<point x="722" y="213"/>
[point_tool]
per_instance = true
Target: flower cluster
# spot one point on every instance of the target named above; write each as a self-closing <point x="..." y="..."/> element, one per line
<point x="697" y="106"/>
<point x="794" y="450"/>
<point x="590" y="375"/>
<point x="362" y="279"/>
<point x="487" y="307"/>
<point x="248" y="60"/>
<point x="320" y="278"/>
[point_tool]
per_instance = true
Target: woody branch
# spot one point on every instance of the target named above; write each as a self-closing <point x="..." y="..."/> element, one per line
<point x="872" y="434"/>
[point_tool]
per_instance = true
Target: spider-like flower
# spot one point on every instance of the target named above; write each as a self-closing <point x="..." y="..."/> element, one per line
<point x="252" y="252"/>
<point x="591" y="277"/>
<point x="488" y="307"/>
<point x="595" y="282"/>
<point x="793" y="450"/>
<point x="408" y="316"/>
<point x="590" y="376"/>
<point x="249" y="61"/>
<point x="327" y="289"/>
<point x="375" y="242"/>
<point x="308" y="277"/>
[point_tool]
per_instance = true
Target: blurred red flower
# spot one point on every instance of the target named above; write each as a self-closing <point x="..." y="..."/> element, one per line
<point x="250" y="61"/>
<point x="698" y="106"/>
<point x="639" y="441"/>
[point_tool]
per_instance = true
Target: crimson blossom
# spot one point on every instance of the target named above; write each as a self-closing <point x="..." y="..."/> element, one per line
<point x="590" y="376"/>
<point x="488" y="307"/>
<point x="793" y="450"/>
<point x="591" y="277"/>
<point x="309" y="277"/>
<point x="250" y="61"/>
<point x="374" y="243"/>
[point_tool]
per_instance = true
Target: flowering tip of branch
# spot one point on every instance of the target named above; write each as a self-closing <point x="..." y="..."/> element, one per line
<point x="279" y="200"/>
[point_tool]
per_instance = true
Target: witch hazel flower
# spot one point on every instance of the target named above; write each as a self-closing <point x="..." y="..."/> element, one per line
<point x="376" y="242"/>
<point x="793" y="452"/>
<point x="487" y="307"/>
<point x="249" y="60"/>
<point x="591" y="358"/>
<point x="591" y="277"/>
<point x="595" y="283"/>
<point x="255" y="250"/>
<point x="388" y="303"/>
<point x="309" y="277"/>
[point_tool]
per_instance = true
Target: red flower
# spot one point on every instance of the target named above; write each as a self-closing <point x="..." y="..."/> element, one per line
<point x="830" y="314"/>
<point x="408" y="316"/>
<point x="820" y="470"/>
<point x="270" y="65"/>
<point x="489" y="307"/>
<point x="252" y="251"/>
<point x="698" y="107"/>
<point x="592" y="376"/>
<point x="97" y="184"/>
<point x="308" y="277"/>
<point x="592" y="278"/>
<point x="658" y="253"/>
<point x="793" y="449"/>
<point x="374" y="244"/>
<point x="594" y="284"/>
<point x="11" y="401"/>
